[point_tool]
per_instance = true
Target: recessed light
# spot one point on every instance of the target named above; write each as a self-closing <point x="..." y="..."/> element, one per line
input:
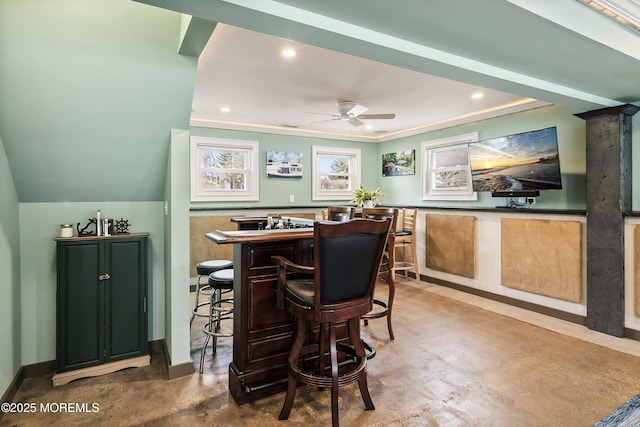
<point x="477" y="95"/>
<point x="368" y="127"/>
<point x="225" y="109"/>
<point x="288" y="52"/>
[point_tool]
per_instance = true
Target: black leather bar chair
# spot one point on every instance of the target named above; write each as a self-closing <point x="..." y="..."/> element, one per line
<point x="386" y="267"/>
<point x="337" y="289"/>
<point x="340" y="213"/>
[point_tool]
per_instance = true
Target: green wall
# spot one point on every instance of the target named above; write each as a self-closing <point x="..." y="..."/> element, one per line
<point x="571" y="140"/>
<point x="39" y="225"/>
<point x="90" y="92"/>
<point x="178" y="331"/>
<point x="406" y="190"/>
<point x="10" y="326"/>
<point x="275" y="191"/>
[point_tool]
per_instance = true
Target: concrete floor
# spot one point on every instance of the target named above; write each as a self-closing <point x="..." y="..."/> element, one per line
<point x="457" y="360"/>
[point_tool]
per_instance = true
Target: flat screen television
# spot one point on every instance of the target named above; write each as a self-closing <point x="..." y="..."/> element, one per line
<point x="518" y="165"/>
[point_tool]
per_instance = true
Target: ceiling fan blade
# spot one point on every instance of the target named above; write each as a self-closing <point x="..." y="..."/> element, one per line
<point x="355" y="122"/>
<point x="377" y="116"/>
<point x="323" y="121"/>
<point x="323" y="114"/>
<point x="356" y="110"/>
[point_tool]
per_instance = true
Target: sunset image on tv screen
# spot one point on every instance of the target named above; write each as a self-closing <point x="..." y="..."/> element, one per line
<point x="520" y="162"/>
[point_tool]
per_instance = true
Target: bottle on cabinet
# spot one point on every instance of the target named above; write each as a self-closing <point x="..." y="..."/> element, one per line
<point x="98" y="224"/>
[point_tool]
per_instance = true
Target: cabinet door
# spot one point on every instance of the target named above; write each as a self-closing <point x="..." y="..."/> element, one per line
<point x="80" y="308"/>
<point x="125" y="298"/>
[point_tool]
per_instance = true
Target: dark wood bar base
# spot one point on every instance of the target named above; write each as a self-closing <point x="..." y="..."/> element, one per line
<point x="263" y="334"/>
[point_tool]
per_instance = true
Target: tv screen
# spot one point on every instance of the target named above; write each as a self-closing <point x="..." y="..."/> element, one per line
<point x="523" y="162"/>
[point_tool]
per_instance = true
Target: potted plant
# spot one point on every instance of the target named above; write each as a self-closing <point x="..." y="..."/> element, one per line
<point x="366" y="198"/>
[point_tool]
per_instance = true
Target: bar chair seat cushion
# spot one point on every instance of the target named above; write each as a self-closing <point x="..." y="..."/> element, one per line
<point x="221" y="279"/>
<point x="300" y="292"/>
<point x="205" y="268"/>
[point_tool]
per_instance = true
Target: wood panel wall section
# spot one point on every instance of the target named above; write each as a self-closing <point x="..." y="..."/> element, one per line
<point x="543" y="257"/>
<point x="203" y="249"/>
<point x="450" y="244"/>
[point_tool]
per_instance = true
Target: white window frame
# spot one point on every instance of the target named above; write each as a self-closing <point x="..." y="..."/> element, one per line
<point x="251" y="169"/>
<point x="429" y="149"/>
<point x="319" y="152"/>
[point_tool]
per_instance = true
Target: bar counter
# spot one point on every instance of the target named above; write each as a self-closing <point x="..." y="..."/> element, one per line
<point x="262" y="334"/>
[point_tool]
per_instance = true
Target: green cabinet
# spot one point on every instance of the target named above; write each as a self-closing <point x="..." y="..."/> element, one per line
<point x="101" y="302"/>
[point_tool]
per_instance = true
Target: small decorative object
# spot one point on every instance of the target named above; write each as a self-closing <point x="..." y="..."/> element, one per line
<point x="120" y="226"/>
<point x="98" y="224"/>
<point x="83" y="231"/>
<point x="66" y="230"/>
<point x="366" y="198"/>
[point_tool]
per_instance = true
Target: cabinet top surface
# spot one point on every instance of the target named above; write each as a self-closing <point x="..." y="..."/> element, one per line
<point x="113" y="236"/>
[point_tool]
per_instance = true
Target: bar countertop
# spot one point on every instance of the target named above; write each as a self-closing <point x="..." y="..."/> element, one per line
<point x="303" y="230"/>
<point x="244" y="236"/>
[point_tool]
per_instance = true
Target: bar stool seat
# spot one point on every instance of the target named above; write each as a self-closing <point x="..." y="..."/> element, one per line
<point x="220" y="282"/>
<point x="205" y="268"/>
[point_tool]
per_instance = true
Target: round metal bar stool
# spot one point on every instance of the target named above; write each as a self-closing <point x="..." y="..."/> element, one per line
<point x="205" y="268"/>
<point x="220" y="282"/>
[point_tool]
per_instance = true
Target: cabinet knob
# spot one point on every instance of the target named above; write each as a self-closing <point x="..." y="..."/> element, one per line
<point x="104" y="277"/>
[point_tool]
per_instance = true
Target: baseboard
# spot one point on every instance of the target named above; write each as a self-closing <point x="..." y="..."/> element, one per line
<point x="11" y="391"/>
<point x="536" y="308"/>
<point x="632" y="334"/>
<point x="27" y="371"/>
<point x="37" y="369"/>
<point x="175" y="371"/>
<point x="181" y="370"/>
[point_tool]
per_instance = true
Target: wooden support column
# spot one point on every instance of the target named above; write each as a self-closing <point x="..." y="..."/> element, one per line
<point x="608" y="196"/>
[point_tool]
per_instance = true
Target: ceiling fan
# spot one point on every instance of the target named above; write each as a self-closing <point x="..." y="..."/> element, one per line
<point x="352" y="112"/>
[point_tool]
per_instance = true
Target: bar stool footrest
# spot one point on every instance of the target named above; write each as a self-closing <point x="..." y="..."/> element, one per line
<point x="325" y="381"/>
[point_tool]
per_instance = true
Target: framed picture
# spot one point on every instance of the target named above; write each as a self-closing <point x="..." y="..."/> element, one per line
<point x="446" y="171"/>
<point x="399" y="163"/>
<point x="284" y="164"/>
